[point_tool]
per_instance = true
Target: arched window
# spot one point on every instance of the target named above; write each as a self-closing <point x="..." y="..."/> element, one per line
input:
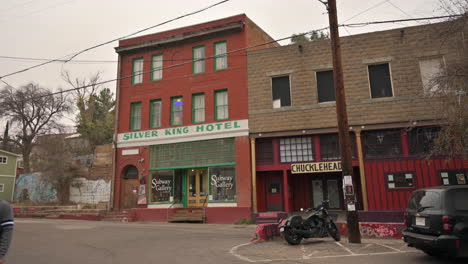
<point x="131" y="173"/>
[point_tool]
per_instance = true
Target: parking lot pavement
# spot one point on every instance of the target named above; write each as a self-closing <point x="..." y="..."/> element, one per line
<point x="279" y="250"/>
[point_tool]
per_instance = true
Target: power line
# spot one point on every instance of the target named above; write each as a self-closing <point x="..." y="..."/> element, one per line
<point x="72" y="56"/>
<point x="242" y="49"/>
<point x="364" y="11"/>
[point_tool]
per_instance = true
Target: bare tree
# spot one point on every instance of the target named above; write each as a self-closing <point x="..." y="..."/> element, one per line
<point x="33" y="111"/>
<point x="450" y="85"/>
<point x="56" y="160"/>
<point x="94" y="120"/>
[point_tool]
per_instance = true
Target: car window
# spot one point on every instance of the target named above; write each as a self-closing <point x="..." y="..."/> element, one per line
<point x="429" y="199"/>
<point x="461" y="200"/>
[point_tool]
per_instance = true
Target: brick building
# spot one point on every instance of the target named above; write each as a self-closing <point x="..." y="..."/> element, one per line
<point x="293" y="126"/>
<point x="182" y="125"/>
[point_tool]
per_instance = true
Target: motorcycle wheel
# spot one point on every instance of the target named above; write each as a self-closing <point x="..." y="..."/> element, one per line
<point x="333" y="231"/>
<point x="292" y="239"/>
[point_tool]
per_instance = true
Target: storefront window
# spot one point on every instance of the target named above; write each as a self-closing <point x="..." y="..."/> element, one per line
<point x="223" y="184"/>
<point x="162" y="185"/>
<point x="294" y="149"/>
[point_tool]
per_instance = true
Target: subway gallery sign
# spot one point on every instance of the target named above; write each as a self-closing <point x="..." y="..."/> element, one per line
<point x="184" y="134"/>
<point x="316" y="167"/>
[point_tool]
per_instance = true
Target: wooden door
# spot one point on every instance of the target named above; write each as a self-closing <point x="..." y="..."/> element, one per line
<point x="197" y="186"/>
<point x="129" y="195"/>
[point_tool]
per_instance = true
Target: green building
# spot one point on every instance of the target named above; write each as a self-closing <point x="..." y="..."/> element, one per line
<point x="8" y="163"/>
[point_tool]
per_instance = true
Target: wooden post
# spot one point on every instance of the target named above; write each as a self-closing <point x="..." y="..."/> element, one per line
<point x="362" y="171"/>
<point x="254" y="175"/>
<point x="354" y="235"/>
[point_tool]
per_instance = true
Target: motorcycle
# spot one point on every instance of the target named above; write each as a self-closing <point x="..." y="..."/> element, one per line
<point x="317" y="224"/>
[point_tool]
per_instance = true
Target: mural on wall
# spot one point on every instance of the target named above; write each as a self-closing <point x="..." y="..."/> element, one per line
<point x="91" y="192"/>
<point x="30" y="187"/>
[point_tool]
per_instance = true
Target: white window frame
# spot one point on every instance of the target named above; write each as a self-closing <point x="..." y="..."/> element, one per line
<point x="1" y="160"/>
<point x="391" y="79"/>
<point x="427" y="90"/>
<point x="290" y="90"/>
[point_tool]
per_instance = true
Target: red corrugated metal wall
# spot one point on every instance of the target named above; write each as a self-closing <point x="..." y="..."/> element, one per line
<point x="425" y="175"/>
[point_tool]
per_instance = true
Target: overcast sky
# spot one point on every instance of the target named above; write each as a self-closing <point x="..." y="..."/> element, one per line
<point x="55" y="28"/>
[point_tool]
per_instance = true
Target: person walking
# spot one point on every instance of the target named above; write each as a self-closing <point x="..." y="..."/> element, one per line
<point x="6" y="228"/>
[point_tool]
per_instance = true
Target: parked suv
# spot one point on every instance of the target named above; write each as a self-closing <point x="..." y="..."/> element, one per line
<point x="437" y="221"/>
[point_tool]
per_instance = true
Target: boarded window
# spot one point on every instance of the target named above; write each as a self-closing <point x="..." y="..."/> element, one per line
<point x="430" y="69"/>
<point x="325" y="87"/>
<point x="382" y="143"/>
<point x="264" y="150"/>
<point x="281" y="91"/>
<point x="380" y="83"/>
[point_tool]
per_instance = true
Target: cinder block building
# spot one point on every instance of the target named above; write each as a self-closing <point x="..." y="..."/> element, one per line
<point x="293" y="125"/>
<point x="182" y="122"/>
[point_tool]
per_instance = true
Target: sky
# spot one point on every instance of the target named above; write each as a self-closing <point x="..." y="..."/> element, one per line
<point x="50" y="29"/>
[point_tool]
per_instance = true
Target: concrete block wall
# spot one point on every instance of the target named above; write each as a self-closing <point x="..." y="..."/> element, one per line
<point x="401" y="48"/>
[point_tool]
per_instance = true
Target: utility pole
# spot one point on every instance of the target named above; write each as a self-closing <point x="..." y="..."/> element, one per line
<point x="354" y="236"/>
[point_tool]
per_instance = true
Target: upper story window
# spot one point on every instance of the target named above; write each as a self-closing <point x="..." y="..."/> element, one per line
<point x="421" y="139"/>
<point x="221" y="105"/>
<point x="220" y="49"/>
<point x="325" y="87"/>
<point x="198" y="56"/>
<point x="281" y="91"/>
<point x="294" y="149"/>
<point x="3" y="160"/>
<point x="380" y="81"/>
<point x="382" y="143"/>
<point x="177" y="107"/>
<point x="156" y="67"/>
<point x="430" y="70"/>
<point x="264" y="150"/>
<point x="156" y="109"/>
<point x="198" y="108"/>
<point x="135" y="116"/>
<point x="137" y="71"/>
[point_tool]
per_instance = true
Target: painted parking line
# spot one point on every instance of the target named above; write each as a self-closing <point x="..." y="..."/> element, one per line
<point x="310" y="256"/>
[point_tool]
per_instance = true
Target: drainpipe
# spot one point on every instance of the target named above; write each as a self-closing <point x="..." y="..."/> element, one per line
<point x="114" y="141"/>
<point x="254" y="175"/>
<point x="362" y="170"/>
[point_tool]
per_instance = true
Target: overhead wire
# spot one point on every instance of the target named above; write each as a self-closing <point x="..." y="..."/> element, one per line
<point x="70" y="57"/>
<point x="241" y="49"/>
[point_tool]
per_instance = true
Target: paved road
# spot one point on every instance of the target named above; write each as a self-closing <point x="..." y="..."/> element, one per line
<point x="73" y="242"/>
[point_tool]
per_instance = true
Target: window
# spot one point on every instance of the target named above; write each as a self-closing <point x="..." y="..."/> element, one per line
<point x="220" y="60"/>
<point x="156" y="67"/>
<point x="131" y="173"/>
<point x="177" y="107"/>
<point x="198" y="56"/>
<point x="420" y="199"/>
<point x="281" y="91"/>
<point x="198" y="108"/>
<point x="222" y="184"/>
<point x="460" y="196"/>
<point x="330" y="146"/>
<point x="400" y="180"/>
<point x="221" y="105"/>
<point x="382" y="143"/>
<point x="380" y="83"/>
<point x="421" y="139"/>
<point x="3" y="160"/>
<point x="454" y="177"/>
<point x="135" y="118"/>
<point x="162" y="184"/>
<point x="137" y="71"/>
<point x="430" y="69"/>
<point x="296" y="149"/>
<point x="264" y="150"/>
<point x="2" y="187"/>
<point x="325" y="87"/>
<point x="155" y="118"/>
